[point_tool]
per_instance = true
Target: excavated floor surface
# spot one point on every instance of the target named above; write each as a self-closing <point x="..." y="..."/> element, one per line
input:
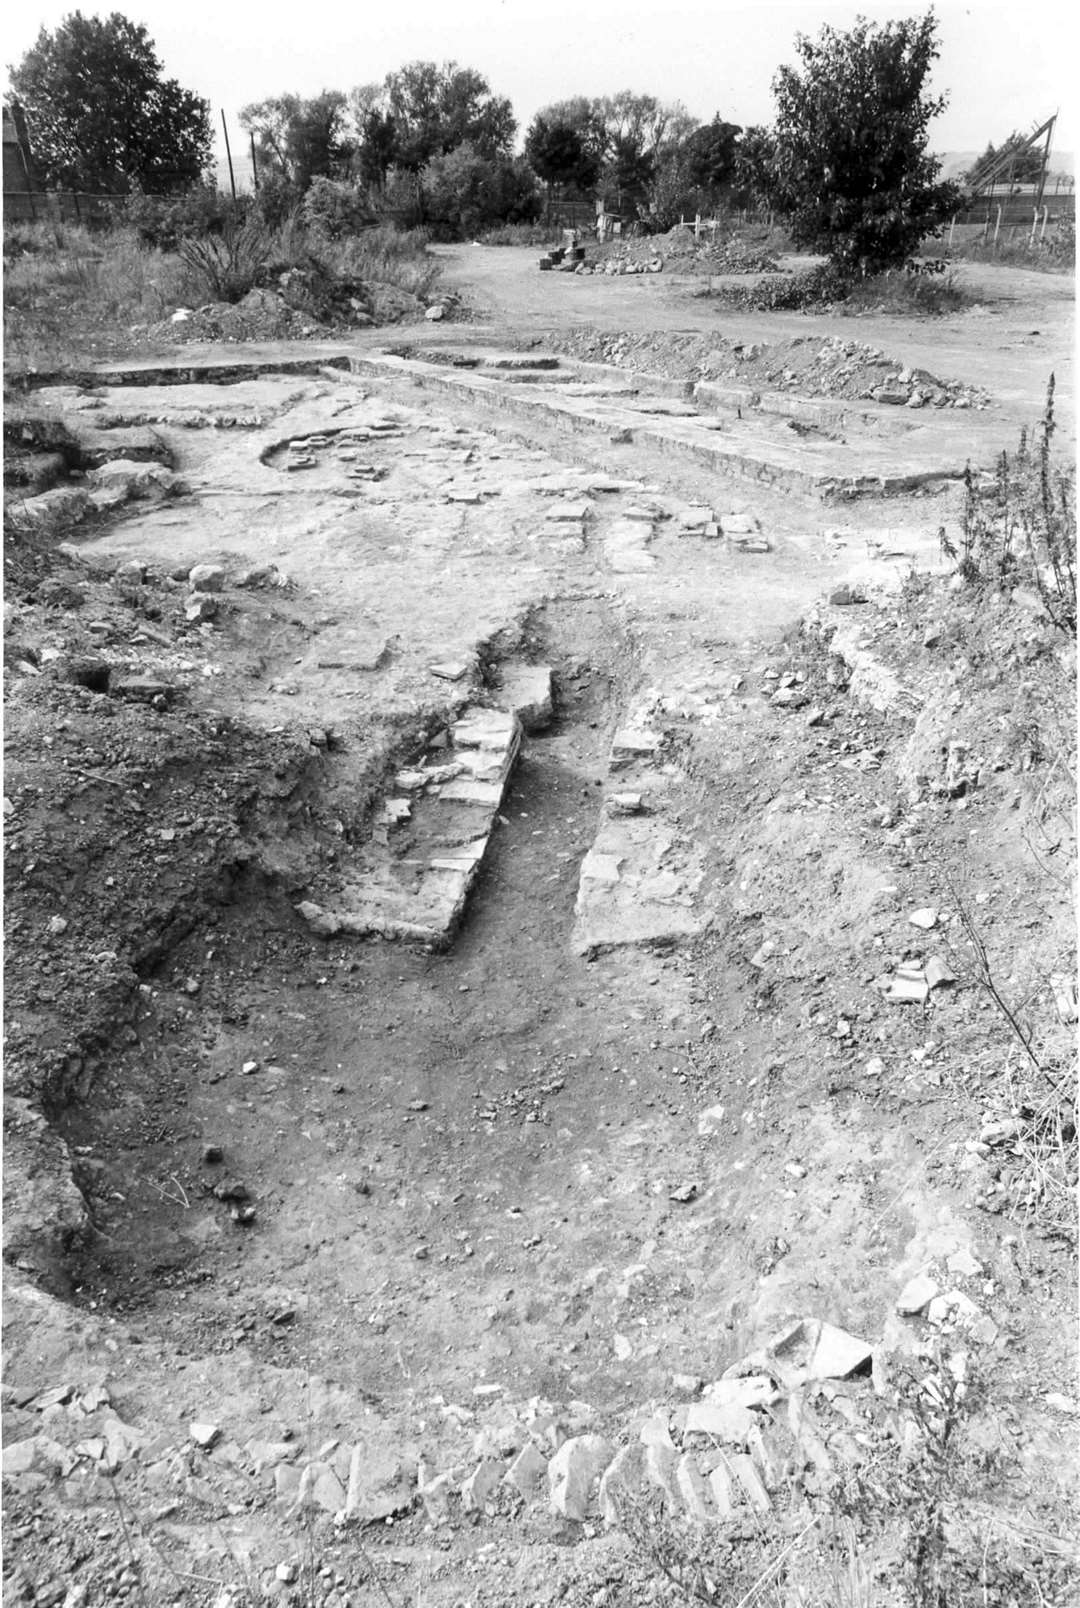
<point x="395" y="1196"/>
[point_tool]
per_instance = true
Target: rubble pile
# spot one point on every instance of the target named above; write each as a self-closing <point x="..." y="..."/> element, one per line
<point x="806" y="364"/>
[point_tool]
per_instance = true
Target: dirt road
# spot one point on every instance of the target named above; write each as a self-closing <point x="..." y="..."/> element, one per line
<point x="1017" y="331"/>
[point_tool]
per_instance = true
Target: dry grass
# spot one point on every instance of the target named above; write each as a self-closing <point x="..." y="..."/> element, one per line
<point x="71" y="296"/>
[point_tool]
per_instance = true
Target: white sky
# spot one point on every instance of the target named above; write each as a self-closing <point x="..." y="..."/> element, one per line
<point x="1004" y="66"/>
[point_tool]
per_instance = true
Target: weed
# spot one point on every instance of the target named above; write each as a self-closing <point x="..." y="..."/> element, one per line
<point x="920" y="289"/>
<point x="730" y="1564"/>
<point x="1054" y="252"/>
<point x="1023" y="528"/>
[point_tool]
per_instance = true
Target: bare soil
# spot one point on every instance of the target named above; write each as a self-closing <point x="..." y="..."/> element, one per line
<point x="319" y="1195"/>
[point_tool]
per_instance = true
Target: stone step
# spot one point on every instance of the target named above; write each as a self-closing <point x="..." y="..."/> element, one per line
<point x="429" y="839"/>
<point x="751" y="448"/>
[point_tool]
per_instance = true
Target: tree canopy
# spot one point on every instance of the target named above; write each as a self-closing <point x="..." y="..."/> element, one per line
<point x="851" y="169"/>
<point x="298" y="137"/>
<point x="102" y="117"/>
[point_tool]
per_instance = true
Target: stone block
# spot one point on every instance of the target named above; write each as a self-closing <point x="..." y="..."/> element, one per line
<point x="660" y="1462"/>
<point x="206" y="578"/>
<point x="621" y="1482"/>
<point x="527" y="1473"/>
<point x="729" y="1421"/>
<point x="694" y="1489"/>
<point x="574" y="1471"/>
<point x="480" y="1484"/>
<point x="526" y="691"/>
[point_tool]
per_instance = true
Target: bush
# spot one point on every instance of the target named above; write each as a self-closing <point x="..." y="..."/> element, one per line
<point x="275" y="201"/>
<point x="164" y="221"/>
<point x="520" y="234"/>
<point x="464" y="193"/>
<point x="333" y="211"/>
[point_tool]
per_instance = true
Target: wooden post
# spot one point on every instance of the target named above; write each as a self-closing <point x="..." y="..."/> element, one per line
<point x="228" y="153"/>
<point x="254" y="165"/>
<point x="997" y="225"/>
<point x="1046" y="219"/>
<point x="952" y="226"/>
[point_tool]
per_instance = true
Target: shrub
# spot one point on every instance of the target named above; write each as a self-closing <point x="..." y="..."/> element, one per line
<point x="332" y="211"/>
<point x="465" y="192"/>
<point x="520" y="234"/>
<point x="275" y="201"/>
<point x="164" y="221"/>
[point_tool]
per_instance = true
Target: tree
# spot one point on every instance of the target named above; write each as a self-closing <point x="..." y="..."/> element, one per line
<point x="755" y="161"/>
<point x="299" y="138"/>
<point x="852" y="170"/>
<point x="435" y="109"/>
<point x="102" y="117"/>
<point x="559" y="155"/>
<point x="710" y="156"/>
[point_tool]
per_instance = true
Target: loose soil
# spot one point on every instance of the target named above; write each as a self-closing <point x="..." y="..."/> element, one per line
<point x="315" y="1194"/>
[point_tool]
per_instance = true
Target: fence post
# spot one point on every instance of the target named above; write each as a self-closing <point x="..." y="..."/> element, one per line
<point x="997" y="225"/>
<point x="1046" y="218"/>
<point x="952" y="226"/>
<point x="1034" y="226"/>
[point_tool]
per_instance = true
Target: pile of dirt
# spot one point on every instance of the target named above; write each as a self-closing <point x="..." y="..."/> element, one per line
<point x="299" y="304"/>
<point x="836" y="368"/>
<point x="262" y="315"/>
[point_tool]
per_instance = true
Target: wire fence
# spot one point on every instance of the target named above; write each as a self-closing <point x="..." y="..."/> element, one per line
<point x="60" y="206"/>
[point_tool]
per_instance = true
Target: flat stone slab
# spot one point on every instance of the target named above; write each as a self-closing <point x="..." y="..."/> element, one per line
<point x="637" y="885"/>
<point x="526" y="692"/>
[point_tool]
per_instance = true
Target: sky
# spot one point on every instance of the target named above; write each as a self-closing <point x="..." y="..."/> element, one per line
<point x="1004" y="67"/>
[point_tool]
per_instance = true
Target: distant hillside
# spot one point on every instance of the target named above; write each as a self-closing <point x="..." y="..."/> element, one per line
<point x="956" y="162"/>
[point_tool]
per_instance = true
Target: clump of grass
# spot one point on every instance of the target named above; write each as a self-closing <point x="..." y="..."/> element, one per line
<point x="384" y="255"/>
<point x="230" y="264"/>
<point x="1022" y="530"/>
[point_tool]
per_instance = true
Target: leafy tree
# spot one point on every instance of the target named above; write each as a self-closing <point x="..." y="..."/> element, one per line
<point x="298" y="137"/>
<point x="755" y="161"/>
<point x="559" y="154"/>
<point x="466" y="192"/>
<point x="852" y="169"/>
<point x="710" y="153"/>
<point x="100" y="114"/>
<point x="435" y="109"/>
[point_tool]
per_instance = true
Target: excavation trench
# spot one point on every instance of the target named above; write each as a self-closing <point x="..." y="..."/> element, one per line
<point x="420" y="1136"/>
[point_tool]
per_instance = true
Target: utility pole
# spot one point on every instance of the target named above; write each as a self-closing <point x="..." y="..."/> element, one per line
<point x="228" y="153"/>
